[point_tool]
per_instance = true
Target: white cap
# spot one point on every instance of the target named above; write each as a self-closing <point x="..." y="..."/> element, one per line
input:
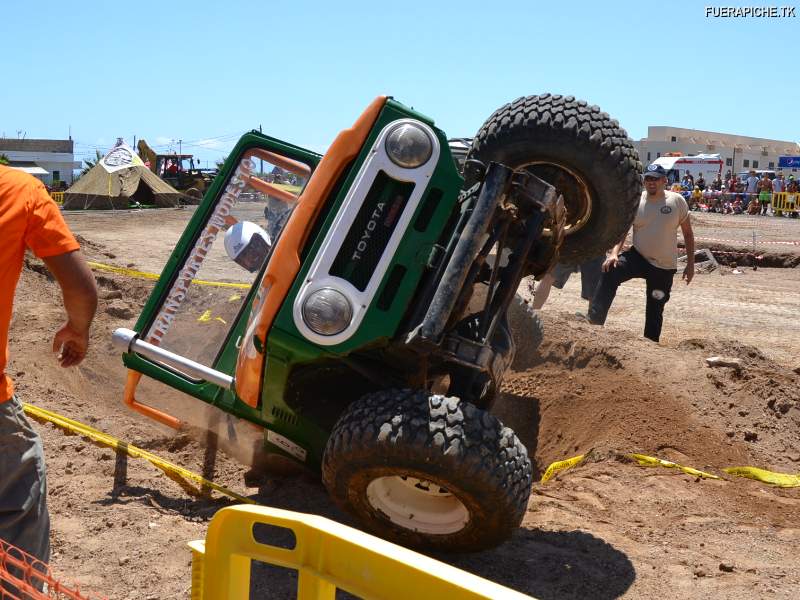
<point x="238" y="236"/>
<point x="244" y="236"/>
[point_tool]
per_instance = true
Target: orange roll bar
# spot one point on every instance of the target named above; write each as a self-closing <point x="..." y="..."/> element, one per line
<point x="148" y="411"/>
<point x="271" y="189"/>
<point x="290" y="165"/>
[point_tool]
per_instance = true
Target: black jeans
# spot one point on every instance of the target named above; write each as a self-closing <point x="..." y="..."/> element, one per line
<point x="633" y="265"/>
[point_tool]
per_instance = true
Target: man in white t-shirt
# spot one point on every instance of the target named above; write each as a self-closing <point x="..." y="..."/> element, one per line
<point x="777" y="184"/>
<point x="751" y="187"/>
<point x="654" y="255"/>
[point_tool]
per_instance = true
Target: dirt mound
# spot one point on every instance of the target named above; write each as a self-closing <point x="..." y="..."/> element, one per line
<point x="743" y="255"/>
<point x="727" y="254"/>
<point x="614" y="392"/>
<point x="747" y="353"/>
<point x="595" y="388"/>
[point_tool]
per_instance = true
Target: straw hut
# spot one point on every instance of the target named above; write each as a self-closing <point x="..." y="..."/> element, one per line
<point x="118" y="180"/>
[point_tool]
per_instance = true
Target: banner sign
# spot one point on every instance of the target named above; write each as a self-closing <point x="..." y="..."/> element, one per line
<point x="120" y="157"/>
<point x="789" y="162"/>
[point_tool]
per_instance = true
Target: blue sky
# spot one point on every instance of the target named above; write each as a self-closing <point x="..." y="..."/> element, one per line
<point x="205" y="72"/>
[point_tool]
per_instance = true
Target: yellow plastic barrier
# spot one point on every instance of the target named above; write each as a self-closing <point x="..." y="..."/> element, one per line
<point x="58" y="197"/>
<point x="785" y="202"/>
<point x="327" y="555"/>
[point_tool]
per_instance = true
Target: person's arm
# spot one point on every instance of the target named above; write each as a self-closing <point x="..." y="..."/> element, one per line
<point x="542" y="291"/>
<point x="613" y="257"/>
<point x="79" y="289"/>
<point x="688" y="240"/>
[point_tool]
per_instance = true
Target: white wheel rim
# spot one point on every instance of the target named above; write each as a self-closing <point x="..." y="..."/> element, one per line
<point x="417" y="504"/>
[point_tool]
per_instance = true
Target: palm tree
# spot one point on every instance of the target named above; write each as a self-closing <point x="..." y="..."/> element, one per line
<point x="4" y="159"/>
<point x="91" y="163"/>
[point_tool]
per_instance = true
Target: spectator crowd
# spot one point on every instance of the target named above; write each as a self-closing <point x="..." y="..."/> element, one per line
<point x="749" y="194"/>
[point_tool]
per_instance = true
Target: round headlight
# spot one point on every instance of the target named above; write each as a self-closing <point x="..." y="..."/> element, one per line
<point x="327" y="311"/>
<point x="409" y="146"/>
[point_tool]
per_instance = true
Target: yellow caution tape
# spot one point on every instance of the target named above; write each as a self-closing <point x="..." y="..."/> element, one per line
<point x="561" y="465"/>
<point x="173" y="471"/>
<point x="206" y="318"/>
<point x="122" y="271"/>
<point x="771" y="477"/>
<point x="145" y="275"/>
<point x="650" y="461"/>
<point x="785" y="480"/>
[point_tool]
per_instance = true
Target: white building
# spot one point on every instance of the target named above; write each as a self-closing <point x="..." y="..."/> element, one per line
<point x="48" y="160"/>
<point x="739" y="152"/>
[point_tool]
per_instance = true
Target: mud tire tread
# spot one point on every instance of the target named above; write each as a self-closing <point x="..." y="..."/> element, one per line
<point x="459" y="446"/>
<point x="571" y="132"/>
<point x="527" y="330"/>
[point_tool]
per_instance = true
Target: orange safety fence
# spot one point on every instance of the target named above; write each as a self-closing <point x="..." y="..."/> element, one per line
<point x="22" y="577"/>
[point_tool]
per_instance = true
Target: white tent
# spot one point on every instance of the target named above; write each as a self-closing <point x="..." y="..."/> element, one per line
<point x="30" y="168"/>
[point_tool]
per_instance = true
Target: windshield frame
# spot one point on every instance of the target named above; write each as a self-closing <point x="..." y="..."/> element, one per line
<point x="206" y="224"/>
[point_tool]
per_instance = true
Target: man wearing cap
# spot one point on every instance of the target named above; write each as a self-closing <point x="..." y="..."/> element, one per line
<point x="653" y="256"/>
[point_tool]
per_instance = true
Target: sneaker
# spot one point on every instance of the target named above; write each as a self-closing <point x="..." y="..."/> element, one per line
<point x="583" y="317"/>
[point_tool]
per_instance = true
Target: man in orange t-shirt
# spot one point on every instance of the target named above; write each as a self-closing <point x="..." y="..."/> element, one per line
<point x="30" y="219"/>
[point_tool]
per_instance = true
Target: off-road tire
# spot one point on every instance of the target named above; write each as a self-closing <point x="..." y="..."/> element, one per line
<point x="443" y="440"/>
<point x="570" y="133"/>
<point x="527" y="331"/>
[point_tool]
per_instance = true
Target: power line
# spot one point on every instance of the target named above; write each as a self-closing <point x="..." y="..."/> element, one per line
<point x="220" y="138"/>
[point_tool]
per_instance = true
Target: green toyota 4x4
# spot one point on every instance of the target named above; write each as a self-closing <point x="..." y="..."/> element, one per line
<point x="354" y="307"/>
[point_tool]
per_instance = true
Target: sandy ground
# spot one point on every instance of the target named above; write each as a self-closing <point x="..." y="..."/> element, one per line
<point x="770" y="232"/>
<point x="605" y="529"/>
<point x="751" y="307"/>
